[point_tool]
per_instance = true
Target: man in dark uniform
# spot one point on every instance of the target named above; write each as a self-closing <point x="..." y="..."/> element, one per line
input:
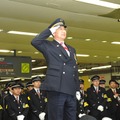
<point x="114" y="94"/>
<point x="37" y="101"/>
<point x="29" y="86"/>
<point x="102" y="83"/>
<point x="17" y="104"/>
<point x="97" y="99"/>
<point x="82" y="104"/>
<point x="1" y="109"/>
<point x="61" y="79"/>
<point x="7" y="93"/>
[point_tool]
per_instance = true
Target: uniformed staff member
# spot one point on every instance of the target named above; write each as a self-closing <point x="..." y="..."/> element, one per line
<point x="102" y="83"/>
<point x="29" y="86"/>
<point x="17" y="104"/>
<point x="97" y="99"/>
<point x="61" y="79"/>
<point x="82" y="105"/>
<point x="114" y="94"/>
<point x="7" y="93"/>
<point x="1" y="109"/>
<point x="37" y="101"/>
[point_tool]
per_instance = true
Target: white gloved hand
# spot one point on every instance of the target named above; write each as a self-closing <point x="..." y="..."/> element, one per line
<point x="81" y="115"/>
<point x="20" y="117"/>
<point x="100" y="108"/>
<point x="42" y="115"/>
<point x="106" y="118"/>
<point x="53" y="29"/>
<point x="78" y="96"/>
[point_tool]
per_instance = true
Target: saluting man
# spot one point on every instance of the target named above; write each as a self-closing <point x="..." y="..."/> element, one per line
<point x="61" y="81"/>
<point x="37" y="101"/>
<point x="17" y="104"/>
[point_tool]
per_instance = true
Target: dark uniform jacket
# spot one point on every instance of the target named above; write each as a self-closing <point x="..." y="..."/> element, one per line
<point x="1" y="109"/>
<point x="62" y="71"/>
<point x="115" y="104"/>
<point x="37" y="105"/>
<point x="96" y="99"/>
<point x="82" y="104"/>
<point x="14" y="109"/>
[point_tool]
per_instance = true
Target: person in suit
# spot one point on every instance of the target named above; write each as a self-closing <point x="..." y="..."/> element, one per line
<point x="17" y="104"/>
<point x="61" y="81"/>
<point x="114" y="94"/>
<point x="37" y="101"/>
<point x="97" y="99"/>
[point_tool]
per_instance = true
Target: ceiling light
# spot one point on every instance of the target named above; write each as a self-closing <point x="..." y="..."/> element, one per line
<point x="95" y="56"/>
<point x="69" y="38"/>
<point x="5" y="51"/>
<point x="82" y="55"/>
<point x="19" y="52"/>
<point x="22" y="33"/>
<point x="33" y="60"/>
<point x="36" y="52"/>
<point x="118" y="43"/>
<point x="101" y="67"/>
<point x="87" y="39"/>
<point x="104" y="41"/>
<point x="118" y="57"/>
<point x="101" y="3"/>
<point x="38" y="68"/>
<point x="1" y="30"/>
<point x="107" y="56"/>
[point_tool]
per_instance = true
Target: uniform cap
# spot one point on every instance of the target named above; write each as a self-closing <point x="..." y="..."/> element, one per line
<point x="58" y="22"/>
<point x="102" y="82"/>
<point x="95" y="77"/>
<point x="81" y="81"/>
<point x="29" y="84"/>
<point x="17" y="85"/>
<point x="36" y="79"/>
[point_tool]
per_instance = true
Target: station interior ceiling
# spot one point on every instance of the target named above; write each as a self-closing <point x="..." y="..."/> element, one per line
<point x="91" y="29"/>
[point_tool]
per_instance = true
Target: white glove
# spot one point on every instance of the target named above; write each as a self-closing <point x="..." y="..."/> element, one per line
<point x="106" y="118"/>
<point x="20" y="117"/>
<point x="42" y="116"/>
<point x="100" y="108"/>
<point x="78" y="96"/>
<point x="53" y="29"/>
<point x="81" y="115"/>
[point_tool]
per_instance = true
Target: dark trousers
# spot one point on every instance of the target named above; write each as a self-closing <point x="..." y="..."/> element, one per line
<point x="61" y="106"/>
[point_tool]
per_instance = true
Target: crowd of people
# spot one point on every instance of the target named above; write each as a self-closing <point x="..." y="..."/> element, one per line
<point x="30" y="102"/>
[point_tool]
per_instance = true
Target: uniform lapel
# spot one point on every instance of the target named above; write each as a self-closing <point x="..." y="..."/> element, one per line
<point x="60" y="48"/>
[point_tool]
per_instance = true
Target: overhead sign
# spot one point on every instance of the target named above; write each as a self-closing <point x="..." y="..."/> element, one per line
<point x="15" y="66"/>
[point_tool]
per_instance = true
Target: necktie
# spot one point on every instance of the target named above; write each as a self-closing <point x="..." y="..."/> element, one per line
<point x="96" y="89"/>
<point x="17" y="99"/>
<point x="114" y="91"/>
<point x="65" y="48"/>
<point x="38" y="92"/>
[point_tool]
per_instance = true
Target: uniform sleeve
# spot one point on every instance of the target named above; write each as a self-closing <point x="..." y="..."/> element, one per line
<point x="32" y="107"/>
<point x="39" y="41"/>
<point x="25" y="107"/>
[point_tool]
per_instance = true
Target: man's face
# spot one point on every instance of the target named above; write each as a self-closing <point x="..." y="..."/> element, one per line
<point x="95" y="82"/>
<point x="60" y="33"/>
<point x="16" y="91"/>
<point x="36" y="84"/>
<point x="113" y="85"/>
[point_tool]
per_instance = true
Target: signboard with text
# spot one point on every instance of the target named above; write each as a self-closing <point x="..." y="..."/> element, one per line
<point x="15" y="66"/>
